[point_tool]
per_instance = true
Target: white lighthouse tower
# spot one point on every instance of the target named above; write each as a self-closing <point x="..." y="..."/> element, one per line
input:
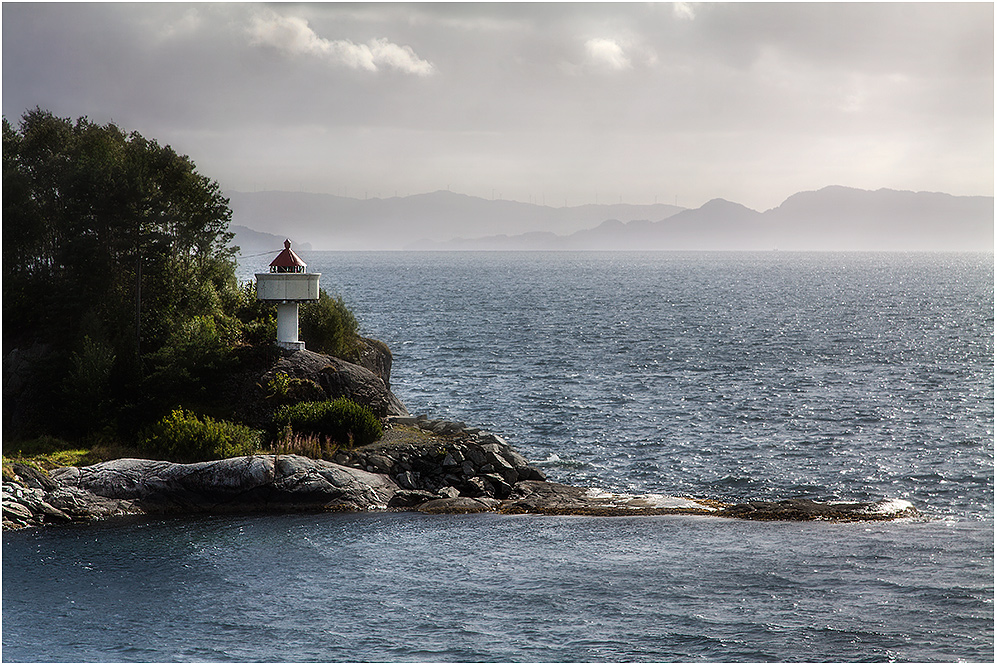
<point x="288" y="284"/>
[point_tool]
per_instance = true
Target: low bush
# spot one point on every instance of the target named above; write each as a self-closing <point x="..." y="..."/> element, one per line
<point x="341" y="420"/>
<point x="42" y="445"/>
<point x="183" y="437"/>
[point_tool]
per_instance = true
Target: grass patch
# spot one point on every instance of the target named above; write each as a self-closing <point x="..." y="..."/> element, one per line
<point x="48" y="453"/>
<point x="316" y="447"/>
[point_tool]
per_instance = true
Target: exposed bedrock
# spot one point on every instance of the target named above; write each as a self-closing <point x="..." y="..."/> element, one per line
<point x="258" y="484"/>
<point x="248" y="483"/>
<point x="420" y="464"/>
<point x="807" y="509"/>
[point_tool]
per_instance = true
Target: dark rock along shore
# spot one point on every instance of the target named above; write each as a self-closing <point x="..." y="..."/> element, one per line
<point x="419" y="464"/>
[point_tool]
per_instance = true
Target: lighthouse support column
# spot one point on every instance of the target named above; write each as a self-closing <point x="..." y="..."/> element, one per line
<point x="287" y="326"/>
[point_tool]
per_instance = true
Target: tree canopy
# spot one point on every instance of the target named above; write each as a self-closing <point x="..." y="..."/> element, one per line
<point x="116" y="255"/>
<point x="118" y="265"/>
<point x="109" y="231"/>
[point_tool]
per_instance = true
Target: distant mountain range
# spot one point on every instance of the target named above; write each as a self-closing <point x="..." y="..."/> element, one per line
<point x="833" y="218"/>
<point x="329" y="222"/>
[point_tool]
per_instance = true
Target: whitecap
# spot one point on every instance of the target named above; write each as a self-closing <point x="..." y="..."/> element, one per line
<point x="890" y="506"/>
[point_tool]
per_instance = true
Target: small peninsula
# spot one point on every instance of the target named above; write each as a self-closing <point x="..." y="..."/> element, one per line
<point x="418" y="464"/>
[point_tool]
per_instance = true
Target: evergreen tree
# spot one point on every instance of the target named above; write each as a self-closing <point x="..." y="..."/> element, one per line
<point x="114" y="248"/>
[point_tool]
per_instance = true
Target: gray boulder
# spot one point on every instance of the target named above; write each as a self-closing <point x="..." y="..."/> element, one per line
<point x="248" y="483"/>
<point x="459" y="505"/>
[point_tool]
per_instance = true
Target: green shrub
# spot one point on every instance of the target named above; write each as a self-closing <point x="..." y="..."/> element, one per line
<point x="285" y="390"/>
<point x="328" y="326"/>
<point x="183" y="437"/>
<point x="278" y="385"/>
<point x="34" y="447"/>
<point x="259" y="318"/>
<point x="341" y="420"/>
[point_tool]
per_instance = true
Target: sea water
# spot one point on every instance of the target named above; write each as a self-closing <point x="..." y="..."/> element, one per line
<point x="729" y="376"/>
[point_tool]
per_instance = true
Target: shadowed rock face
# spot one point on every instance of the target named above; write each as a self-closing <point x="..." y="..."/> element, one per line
<point x="246" y="396"/>
<point x="336" y="378"/>
<point x="376" y="357"/>
<point x="444" y="459"/>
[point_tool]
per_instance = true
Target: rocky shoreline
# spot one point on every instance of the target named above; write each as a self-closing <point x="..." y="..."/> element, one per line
<point x="419" y="464"/>
<point x="424" y="465"/>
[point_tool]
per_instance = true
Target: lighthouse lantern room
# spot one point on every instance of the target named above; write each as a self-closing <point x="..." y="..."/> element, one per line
<point x="287" y="284"/>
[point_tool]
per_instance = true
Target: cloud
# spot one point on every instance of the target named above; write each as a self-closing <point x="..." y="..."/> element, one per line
<point x="749" y="101"/>
<point x="683" y="10"/>
<point x="188" y="24"/>
<point x="294" y="36"/>
<point x="607" y="53"/>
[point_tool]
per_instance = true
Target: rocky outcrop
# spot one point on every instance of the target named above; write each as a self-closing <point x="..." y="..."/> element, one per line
<point x="376" y="357"/>
<point x="252" y="394"/>
<point x="807" y="509"/>
<point x="444" y="459"/>
<point x="559" y="499"/>
<point x="33" y="498"/>
<point x="420" y="464"/>
<point x="244" y="484"/>
<point x="331" y="377"/>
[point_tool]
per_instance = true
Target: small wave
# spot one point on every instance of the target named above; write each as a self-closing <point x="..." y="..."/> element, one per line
<point x="557" y="462"/>
<point x="646" y="501"/>
<point x="891" y="507"/>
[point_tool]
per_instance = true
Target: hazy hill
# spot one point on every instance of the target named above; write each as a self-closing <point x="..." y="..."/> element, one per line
<point x="329" y="222"/>
<point x="252" y="242"/>
<point x="716" y="225"/>
<point x="846" y="218"/>
<point x="833" y="218"/>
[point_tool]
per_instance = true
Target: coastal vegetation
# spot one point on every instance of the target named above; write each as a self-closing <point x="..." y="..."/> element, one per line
<point x="183" y="437"/>
<point x="341" y="420"/>
<point x="123" y="316"/>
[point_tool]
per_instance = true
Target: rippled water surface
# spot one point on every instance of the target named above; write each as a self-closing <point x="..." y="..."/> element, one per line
<point x="733" y="376"/>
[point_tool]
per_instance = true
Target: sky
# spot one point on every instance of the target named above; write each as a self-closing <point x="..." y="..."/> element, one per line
<point x="559" y="104"/>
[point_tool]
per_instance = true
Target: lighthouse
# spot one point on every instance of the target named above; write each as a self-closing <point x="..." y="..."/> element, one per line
<point x="287" y="284"/>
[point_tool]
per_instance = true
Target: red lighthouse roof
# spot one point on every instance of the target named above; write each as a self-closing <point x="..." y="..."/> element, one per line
<point x="287" y="261"/>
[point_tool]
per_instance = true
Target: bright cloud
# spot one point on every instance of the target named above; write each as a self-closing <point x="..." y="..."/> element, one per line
<point x="683" y="10"/>
<point x="607" y="53"/>
<point x="293" y="35"/>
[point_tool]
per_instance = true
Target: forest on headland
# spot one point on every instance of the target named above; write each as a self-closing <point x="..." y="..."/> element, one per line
<point x="121" y="306"/>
